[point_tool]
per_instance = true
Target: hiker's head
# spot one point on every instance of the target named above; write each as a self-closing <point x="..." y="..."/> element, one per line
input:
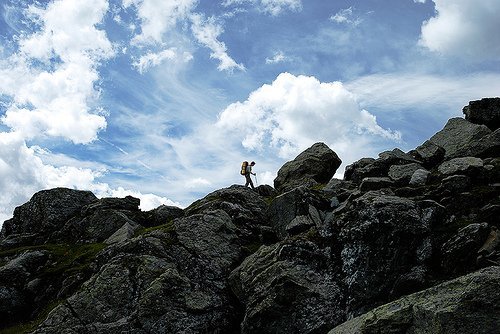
<point x="252" y="163"/>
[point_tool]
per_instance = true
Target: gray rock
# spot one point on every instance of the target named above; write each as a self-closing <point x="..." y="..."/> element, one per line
<point x="459" y="253"/>
<point x="162" y="215"/>
<point x="463" y="305"/>
<point x="375" y="183"/>
<point x="290" y="287"/>
<point x="97" y="227"/>
<point x="377" y="167"/>
<point x="384" y="238"/>
<point x="128" y="203"/>
<point x="299" y="202"/>
<point x="465" y="165"/>
<point x="46" y="212"/>
<point x="430" y="153"/>
<point x="485" y="111"/>
<point x="402" y="174"/>
<point x="246" y="208"/>
<point x="125" y="232"/>
<point x="458" y="137"/>
<point x="419" y="177"/>
<point x="316" y="165"/>
<point x="168" y="280"/>
<point x="456" y="183"/>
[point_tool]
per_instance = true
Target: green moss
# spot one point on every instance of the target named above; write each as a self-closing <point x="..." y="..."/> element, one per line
<point x="167" y="227"/>
<point x="73" y="258"/>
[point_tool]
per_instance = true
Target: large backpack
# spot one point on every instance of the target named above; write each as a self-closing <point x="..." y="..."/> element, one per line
<point x="244" y="165"/>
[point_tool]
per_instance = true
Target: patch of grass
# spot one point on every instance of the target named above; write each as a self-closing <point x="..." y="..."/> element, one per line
<point x="167" y="227"/>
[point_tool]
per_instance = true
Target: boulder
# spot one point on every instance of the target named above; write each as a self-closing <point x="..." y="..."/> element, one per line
<point x="458" y="137"/>
<point x="419" y="177"/>
<point x="162" y="215"/>
<point x="375" y="183"/>
<point x="368" y="167"/>
<point x="128" y="203"/>
<point x="97" y="227"/>
<point x="485" y="111"/>
<point x="246" y="208"/>
<point x="385" y="244"/>
<point x="401" y="174"/>
<point x="466" y="305"/>
<point x="430" y="153"/>
<point x="296" y="211"/>
<point x="316" y="165"/>
<point x="289" y="287"/>
<point x="459" y="253"/>
<point x="465" y="165"/>
<point x="127" y="231"/>
<point x="46" y="212"/>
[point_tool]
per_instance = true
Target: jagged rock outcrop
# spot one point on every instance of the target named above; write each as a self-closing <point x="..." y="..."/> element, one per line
<point x="485" y="111"/>
<point x="316" y="165"/>
<point x="468" y="304"/>
<point x="303" y="258"/>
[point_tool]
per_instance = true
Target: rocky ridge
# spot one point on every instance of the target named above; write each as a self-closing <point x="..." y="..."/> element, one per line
<point x="405" y="243"/>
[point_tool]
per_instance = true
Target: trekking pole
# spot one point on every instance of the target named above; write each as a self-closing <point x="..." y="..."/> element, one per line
<point x="256" y="183"/>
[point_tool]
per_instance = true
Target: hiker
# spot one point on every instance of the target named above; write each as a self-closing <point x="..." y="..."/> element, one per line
<point x="247" y="169"/>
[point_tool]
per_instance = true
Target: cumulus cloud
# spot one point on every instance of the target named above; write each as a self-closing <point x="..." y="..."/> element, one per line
<point x="464" y="28"/>
<point x="55" y="98"/>
<point x="272" y="7"/>
<point x="295" y="111"/>
<point x="159" y="16"/>
<point x="207" y="31"/>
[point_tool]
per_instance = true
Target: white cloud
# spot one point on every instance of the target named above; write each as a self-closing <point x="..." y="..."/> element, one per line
<point x="439" y="95"/>
<point x="346" y="16"/>
<point x="272" y="7"/>
<point x="158" y="17"/>
<point x="23" y="172"/>
<point x="151" y="59"/>
<point x="419" y="1"/>
<point x="197" y="182"/>
<point x="464" y="28"/>
<point x="55" y="99"/>
<point x="207" y="31"/>
<point x="295" y="111"/>
<point x="278" y="57"/>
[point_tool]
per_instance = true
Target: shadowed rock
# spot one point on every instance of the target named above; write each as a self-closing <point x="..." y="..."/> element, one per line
<point x="485" y="111"/>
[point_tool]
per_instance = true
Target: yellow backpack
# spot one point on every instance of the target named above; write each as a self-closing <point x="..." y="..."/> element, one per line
<point x="244" y="165"/>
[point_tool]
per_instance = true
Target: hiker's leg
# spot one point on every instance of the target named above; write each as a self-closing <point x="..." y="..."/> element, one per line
<point x="249" y="180"/>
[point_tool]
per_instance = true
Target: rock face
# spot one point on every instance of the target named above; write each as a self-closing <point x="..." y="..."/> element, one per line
<point x="415" y="232"/>
<point x="316" y="165"/>
<point x="465" y="305"/>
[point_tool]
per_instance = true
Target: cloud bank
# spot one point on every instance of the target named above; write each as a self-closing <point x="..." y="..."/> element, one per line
<point x="464" y="28"/>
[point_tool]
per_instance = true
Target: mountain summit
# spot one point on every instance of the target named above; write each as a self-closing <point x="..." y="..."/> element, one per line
<point x="405" y="243"/>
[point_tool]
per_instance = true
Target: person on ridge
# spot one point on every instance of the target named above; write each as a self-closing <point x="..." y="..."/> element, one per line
<point x="248" y="171"/>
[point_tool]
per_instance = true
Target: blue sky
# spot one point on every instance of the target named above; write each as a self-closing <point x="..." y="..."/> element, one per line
<point x="163" y="99"/>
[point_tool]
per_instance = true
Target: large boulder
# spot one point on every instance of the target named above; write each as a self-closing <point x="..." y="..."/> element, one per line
<point x="485" y="111"/>
<point x="369" y="167"/>
<point x="46" y="212"/>
<point x="386" y="247"/>
<point x="296" y="211"/>
<point x="316" y="165"/>
<point x="466" y="305"/>
<point x="289" y="287"/>
<point x="458" y="137"/>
